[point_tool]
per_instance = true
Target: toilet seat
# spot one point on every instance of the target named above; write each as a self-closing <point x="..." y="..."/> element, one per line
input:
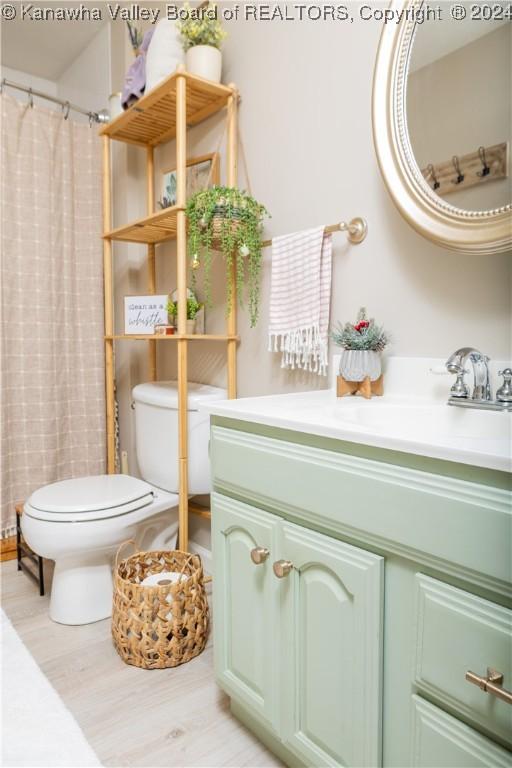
<point x="84" y="499"/>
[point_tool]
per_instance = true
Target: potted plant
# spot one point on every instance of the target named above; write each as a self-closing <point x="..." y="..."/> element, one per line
<point x="202" y="35"/>
<point x="231" y="221"/>
<point x="362" y="342"/>
<point x="193" y="307"/>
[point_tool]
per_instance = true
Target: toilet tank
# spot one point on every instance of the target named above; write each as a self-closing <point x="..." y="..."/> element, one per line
<point x="156" y="434"/>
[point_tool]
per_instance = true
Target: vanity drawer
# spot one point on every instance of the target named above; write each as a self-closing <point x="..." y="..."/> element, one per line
<point x="385" y="505"/>
<point x="457" y="632"/>
<point x="442" y="741"/>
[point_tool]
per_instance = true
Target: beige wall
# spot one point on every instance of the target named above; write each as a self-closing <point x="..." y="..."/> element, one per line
<point x="86" y="81"/>
<point x="460" y="102"/>
<point x="306" y="124"/>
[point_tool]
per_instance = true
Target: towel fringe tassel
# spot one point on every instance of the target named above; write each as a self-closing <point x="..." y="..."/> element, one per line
<point x="301" y="348"/>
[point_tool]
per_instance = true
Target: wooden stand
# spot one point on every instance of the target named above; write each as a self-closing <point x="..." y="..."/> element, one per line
<point x="365" y="388"/>
<point x="163" y="114"/>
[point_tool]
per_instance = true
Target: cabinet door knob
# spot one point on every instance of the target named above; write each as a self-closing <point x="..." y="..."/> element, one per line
<point x="282" y="568"/>
<point x="259" y="555"/>
<point x="492" y="684"/>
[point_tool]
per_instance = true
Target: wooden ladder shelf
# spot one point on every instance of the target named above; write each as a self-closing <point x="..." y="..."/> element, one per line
<point x="165" y="113"/>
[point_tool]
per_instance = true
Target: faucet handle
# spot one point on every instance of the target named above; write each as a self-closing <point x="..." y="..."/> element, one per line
<point x="460" y="388"/>
<point x="504" y="393"/>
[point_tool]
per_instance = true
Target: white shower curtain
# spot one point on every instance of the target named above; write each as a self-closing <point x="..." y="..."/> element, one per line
<point x="52" y="368"/>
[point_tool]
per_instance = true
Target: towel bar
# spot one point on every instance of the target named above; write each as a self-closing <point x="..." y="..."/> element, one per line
<point x="356" y="230"/>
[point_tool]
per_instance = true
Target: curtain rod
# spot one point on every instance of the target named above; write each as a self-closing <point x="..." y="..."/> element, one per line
<point x="96" y="117"/>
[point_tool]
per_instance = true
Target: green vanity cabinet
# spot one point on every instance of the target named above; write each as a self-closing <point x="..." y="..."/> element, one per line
<point x="353" y="589"/>
<point x="301" y="649"/>
<point x="442" y="740"/>
<point x="246" y="608"/>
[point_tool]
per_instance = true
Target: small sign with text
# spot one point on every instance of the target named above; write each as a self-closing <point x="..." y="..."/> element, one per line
<point x="142" y="313"/>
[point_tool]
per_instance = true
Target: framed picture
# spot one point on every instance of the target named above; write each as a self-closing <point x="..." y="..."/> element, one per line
<point x="142" y="313"/>
<point x="201" y="172"/>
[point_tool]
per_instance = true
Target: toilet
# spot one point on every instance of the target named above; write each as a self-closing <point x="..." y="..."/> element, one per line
<point x="80" y="523"/>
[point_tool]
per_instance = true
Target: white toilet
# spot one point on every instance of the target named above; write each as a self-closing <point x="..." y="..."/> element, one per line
<point x="80" y="523"/>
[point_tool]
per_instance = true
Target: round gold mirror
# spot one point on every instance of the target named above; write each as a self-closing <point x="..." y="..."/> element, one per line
<point x="442" y="120"/>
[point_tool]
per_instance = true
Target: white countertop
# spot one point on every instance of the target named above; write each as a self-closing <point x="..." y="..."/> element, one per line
<point x="423" y="425"/>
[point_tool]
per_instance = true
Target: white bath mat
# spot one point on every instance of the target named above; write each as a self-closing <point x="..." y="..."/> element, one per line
<point x="37" y="728"/>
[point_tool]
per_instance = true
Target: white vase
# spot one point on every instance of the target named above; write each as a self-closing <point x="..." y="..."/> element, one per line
<point x="204" y="61"/>
<point x="357" y="364"/>
<point x="191" y="326"/>
<point x="165" y="53"/>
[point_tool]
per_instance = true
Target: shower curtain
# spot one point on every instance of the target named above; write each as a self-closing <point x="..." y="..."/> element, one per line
<point x="52" y="406"/>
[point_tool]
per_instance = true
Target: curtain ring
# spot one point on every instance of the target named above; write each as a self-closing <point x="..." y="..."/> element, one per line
<point x="485" y="168"/>
<point x="30" y="98"/>
<point x="91" y="119"/>
<point x="66" y="107"/>
<point x="460" y="175"/>
<point x="435" y="181"/>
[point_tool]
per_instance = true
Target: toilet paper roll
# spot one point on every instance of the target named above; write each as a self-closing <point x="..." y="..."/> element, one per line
<point x="163" y="579"/>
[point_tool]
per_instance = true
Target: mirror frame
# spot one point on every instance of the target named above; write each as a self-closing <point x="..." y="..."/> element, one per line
<point x="482" y="232"/>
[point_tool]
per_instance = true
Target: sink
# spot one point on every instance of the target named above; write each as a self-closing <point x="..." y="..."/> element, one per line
<point x="425" y="426"/>
<point x="427" y="421"/>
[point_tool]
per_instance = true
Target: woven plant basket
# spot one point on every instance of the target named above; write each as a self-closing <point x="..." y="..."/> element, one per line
<point x="217" y="225"/>
<point x="154" y="627"/>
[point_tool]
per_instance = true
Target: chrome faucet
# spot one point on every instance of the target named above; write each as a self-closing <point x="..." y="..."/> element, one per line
<point x="481" y="396"/>
<point x="457" y="364"/>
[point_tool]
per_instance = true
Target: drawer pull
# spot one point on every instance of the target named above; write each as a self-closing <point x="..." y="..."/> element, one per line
<point x="259" y="555"/>
<point x="491" y="684"/>
<point x="282" y="568"/>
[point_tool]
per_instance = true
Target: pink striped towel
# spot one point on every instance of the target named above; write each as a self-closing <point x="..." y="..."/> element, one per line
<point x="300" y="296"/>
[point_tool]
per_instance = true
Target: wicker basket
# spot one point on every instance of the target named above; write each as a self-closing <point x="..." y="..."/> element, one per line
<point x="155" y="627"/>
<point x="218" y="223"/>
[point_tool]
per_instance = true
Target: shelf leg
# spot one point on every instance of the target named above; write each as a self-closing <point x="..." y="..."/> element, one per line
<point x="232" y="179"/>
<point x="150" y="174"/>
<point x="181" y="259"/>
<point x="109" y="310"/>
<point x="183" y="442"/>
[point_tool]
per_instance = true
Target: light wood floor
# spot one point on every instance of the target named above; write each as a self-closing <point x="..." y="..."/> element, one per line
<point x="131" y="717"/>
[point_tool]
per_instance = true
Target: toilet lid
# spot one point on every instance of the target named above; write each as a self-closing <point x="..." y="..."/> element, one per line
<point x="87" y="498"/>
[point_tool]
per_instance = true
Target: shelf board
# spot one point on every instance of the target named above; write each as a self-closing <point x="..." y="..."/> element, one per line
<point x="155" y="228"/>
<point x="152" y="119"/>
<point x="196" y="509"/>
<point x="175" y="337"/>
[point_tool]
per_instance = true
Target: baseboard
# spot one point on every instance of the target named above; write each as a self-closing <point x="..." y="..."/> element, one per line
<point x="204" y="554"/>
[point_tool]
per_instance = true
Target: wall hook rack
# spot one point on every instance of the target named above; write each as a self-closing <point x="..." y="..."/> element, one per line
<point x="484" y="165"/>
<point x="356" y="230"/>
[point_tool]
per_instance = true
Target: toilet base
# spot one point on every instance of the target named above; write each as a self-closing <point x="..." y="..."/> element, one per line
<point x="82" y="589"/>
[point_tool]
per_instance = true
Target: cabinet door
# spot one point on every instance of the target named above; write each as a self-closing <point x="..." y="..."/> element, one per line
<point x="442" y="741"/>
<point x="245" y="605"/>
<point x="331" y="650"/>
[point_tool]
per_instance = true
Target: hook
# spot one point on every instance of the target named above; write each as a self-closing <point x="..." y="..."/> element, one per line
<point x="485" y="168"/>
<point x="435" y="182"/>
<point x="460" y="175"/>
<point x="30" y="98"/>
<point x="65" y="108"/>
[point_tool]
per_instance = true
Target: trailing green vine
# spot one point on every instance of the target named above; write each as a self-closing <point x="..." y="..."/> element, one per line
<point x="228" y="220"/>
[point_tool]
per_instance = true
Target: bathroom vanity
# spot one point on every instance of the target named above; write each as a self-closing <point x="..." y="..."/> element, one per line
<point x="362" y="567"/>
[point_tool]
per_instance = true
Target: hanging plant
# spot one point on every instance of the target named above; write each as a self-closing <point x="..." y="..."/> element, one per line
<point x="228" y="220"/>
